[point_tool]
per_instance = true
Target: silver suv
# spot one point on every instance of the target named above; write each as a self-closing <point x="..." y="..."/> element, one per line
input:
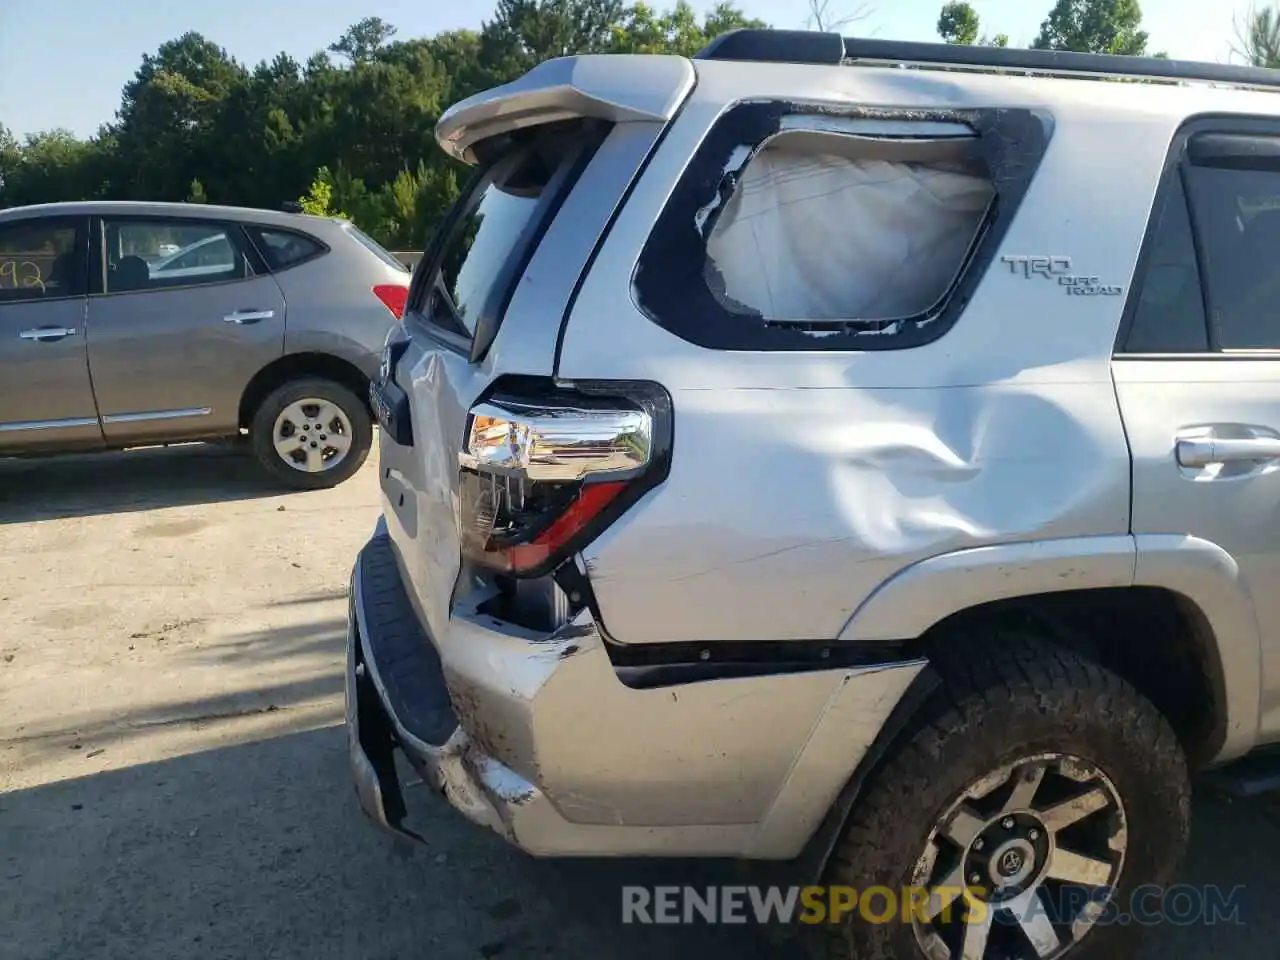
<point x="851" y="453"/>
<point x="131" y="324"/>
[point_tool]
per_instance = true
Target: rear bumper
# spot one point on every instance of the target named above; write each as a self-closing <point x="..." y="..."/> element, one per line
<point x="535" y="737"/>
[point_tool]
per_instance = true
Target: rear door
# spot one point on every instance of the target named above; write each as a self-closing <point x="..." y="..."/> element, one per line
<point x="1197" y="372"/>
<point x="176" y="336"/>
<point x="45" y="396"/>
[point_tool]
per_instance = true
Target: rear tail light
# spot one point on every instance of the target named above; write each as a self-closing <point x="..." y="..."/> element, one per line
<point x="393" y="297"/>
<point x="540" y="479"/>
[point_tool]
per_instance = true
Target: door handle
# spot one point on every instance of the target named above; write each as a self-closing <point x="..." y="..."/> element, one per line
<point x="1202" y="453"/>
<point x="249" y="316"/>
<point x="47" y="333"/>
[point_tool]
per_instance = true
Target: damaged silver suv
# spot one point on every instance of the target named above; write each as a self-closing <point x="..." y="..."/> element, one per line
<point x="849" y="453"/>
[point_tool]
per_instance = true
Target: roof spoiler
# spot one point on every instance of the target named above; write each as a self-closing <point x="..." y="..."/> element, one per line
<point x="614" y="87"/>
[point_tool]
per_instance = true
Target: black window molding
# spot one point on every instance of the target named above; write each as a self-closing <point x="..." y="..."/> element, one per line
<point x="669" y="281"/>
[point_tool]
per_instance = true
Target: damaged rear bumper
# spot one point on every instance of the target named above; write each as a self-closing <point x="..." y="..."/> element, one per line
<point x="535" y="737"/>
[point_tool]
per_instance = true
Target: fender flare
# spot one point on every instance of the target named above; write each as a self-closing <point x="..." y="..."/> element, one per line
<point x="925" y="593"/>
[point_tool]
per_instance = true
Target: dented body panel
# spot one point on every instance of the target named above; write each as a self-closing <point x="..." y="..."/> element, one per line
<point x="555" y="753"/>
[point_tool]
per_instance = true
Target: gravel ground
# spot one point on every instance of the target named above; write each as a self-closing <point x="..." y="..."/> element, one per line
<point x="173" y="775"/>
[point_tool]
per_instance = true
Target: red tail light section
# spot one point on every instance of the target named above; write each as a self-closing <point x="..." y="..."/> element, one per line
<point x="541" y="475"/>
<point x="393" y="297"/>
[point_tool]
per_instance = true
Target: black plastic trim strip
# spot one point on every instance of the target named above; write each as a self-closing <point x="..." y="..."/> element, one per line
<point x="825" y="48"/>
<point x="664" y="664"/>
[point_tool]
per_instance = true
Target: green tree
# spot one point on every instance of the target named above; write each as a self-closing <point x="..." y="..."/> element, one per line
<point x="318" y="200"/>
<point x="350" y="130"/>
<point x="10" y="157"/>
<point x="1257" y="39"/>
<point x="523" y="33"/>
<point x="1094" y="26"/>
<point x="958" y="23"/>
<point x="168" y="130"/>
<point x="362" y="40"/>
<point x="642" y="29"/>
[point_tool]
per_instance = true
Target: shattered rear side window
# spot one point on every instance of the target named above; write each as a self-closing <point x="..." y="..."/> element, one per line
<point x="827" y="236"/>
<point x="810" y="227"/>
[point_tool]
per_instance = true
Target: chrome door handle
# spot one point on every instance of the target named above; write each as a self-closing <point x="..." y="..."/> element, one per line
<point x="47" y="333"/>
<point x="1201" y="453"/>
<point x="249" y="316"/>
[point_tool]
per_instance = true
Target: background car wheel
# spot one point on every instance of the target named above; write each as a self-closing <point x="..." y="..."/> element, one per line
<point x="311" y="433"/>
<point x="1032" y="774"/>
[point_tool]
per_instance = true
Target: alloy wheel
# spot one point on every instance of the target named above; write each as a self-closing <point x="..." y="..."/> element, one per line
<point x="1021" y="865"/>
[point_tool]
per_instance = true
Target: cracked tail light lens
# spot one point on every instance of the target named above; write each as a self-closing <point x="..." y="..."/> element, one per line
<point x="537" y="481"/>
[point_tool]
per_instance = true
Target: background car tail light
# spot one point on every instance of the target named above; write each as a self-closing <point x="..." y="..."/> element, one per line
<point x="393" y="297"/>
<point x="540" y="478"/>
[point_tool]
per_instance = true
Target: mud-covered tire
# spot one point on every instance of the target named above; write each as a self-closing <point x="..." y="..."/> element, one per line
<point x="1003" y="697"/>
<point x="350" y="413"/>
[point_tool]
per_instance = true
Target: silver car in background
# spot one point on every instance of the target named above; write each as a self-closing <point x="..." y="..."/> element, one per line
<point x="130" y="324"/>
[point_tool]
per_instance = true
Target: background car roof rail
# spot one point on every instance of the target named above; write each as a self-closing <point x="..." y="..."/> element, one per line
<point x="815" y="47"/>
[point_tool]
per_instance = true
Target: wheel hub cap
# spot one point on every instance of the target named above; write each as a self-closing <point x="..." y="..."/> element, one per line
<point x="1022" y="863"/>
<point x="312" y="435"/>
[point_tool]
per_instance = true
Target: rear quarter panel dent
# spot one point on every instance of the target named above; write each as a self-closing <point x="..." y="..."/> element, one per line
<point x="846" y="488"/>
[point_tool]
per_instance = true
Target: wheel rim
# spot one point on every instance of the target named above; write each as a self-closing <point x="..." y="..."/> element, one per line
<point x="312" y="435"/>
<point x="1022" y="863"/>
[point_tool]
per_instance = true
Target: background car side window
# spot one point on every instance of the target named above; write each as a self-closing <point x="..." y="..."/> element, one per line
<point x="157" y="254"/>
<point x="284" y="248"/>
<point x="1169" y="314"/>
<point x="38" y="261"/>
<point x="1237" y="216"/>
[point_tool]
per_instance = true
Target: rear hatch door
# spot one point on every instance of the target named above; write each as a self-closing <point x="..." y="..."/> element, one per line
<point x="553" y="155"/>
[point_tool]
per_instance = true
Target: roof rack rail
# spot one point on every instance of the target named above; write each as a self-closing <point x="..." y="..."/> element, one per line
<point x="815" y="47"/>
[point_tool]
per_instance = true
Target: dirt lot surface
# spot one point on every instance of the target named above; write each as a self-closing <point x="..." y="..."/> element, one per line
<point x="173" y="778"/>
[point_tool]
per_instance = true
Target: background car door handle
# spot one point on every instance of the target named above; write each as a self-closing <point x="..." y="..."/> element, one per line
<point x="1201" y="453"/>
<point x="47" y="333"/>
<point x="249" y="316"/>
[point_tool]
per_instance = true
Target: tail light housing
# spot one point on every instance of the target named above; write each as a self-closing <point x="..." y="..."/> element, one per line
<point x="541" y="476"/>
<point x="393" y="297"/>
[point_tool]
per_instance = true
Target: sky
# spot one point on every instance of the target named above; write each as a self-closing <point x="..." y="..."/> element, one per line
<point x="98" y="44"/>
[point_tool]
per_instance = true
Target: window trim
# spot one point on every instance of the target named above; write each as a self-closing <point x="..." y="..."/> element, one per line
<point x="253" y="232"/>
<point x="1177" y="161"/>
<point x="233" y="229"/>
<point x="588" y="137"/>
<point x="676" y="247"/>
<point x="80" y="246"/>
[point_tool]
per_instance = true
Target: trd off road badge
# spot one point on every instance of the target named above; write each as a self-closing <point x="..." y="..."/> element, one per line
<point x="1059" y="269"/>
